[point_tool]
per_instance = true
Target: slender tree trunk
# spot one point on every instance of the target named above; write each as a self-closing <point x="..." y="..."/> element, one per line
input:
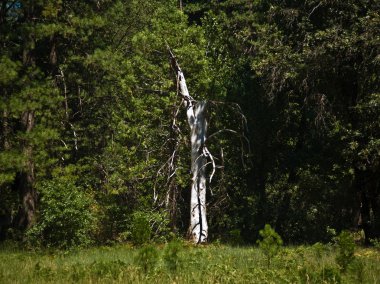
<point x="196" y="117"/>
<point x="5" y="128"/>
<point x="374" y="195"/>
<point x="198" y="229"/>
<point x="172" y="193"/>
<point x="25" y="179"/>
<point x="172" y="204"/>
<point x="3" y="12"/>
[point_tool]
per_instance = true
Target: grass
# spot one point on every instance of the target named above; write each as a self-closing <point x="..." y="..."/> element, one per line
<point x="204" y="264"/>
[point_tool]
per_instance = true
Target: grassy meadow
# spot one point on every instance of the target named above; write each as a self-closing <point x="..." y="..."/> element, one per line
<point x="183" y="263"/>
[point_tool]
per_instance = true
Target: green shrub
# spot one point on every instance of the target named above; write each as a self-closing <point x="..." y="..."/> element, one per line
<point x="65" y="217"/>
<point x="376" y="243"/>
<point x="235" y="237"/>
<point x="271" y="242"/>
<point x="346" y="249"/>
<point x="140" y="228"/>
<point x="144" y="223"/>
<point x="172" y="256"/>
<point x="357" y="269"/>
<point x="330" y="275"/>
<point x="147" y="258"/>
<point x="318" y="249"/>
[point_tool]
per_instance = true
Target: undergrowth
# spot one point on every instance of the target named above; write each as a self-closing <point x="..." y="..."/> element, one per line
<point x="183" y="263"/>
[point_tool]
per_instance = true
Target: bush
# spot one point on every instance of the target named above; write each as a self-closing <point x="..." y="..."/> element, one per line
<point x="271" y="242"/>
<point x="147" y="258"/>
<point x="357" y="269"/>
<point x="235" y="237"/>
<point x="328" y="274"/>
<point x="65" y="217"/>
<point x="141" y="230"/>
<point x="376" y="243"/>
<point x="172" y="257"/>
<point x="145" y="226"/>
<point x="346" y="249"/>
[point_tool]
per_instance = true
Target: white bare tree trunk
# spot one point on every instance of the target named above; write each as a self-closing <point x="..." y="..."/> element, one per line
<point x="198" y="223"/>
<point x="196" y="116"/>
<point x="198" y="229"/>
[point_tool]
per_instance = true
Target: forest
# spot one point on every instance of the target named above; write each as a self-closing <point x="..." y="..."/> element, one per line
<point x="97" y="146"/>
<point x="189" y="141"/>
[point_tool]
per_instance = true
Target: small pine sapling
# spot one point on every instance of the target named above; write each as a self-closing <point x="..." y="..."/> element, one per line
<point x="346" y="249"/>
<point x="270" y="244"/>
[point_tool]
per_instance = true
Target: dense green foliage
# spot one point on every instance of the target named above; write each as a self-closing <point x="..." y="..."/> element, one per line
<point x="65" y="217"/>
<point x="90" y="118"/>
<point x="204" y="264"/>
<point x="306" y="74"/>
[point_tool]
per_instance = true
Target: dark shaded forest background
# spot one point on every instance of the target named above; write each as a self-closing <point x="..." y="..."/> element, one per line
<point x="88" y="100"/>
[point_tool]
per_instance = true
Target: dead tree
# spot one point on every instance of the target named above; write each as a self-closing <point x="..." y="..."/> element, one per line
<point x="200" y="155"/>
<point x="196" y="117"/>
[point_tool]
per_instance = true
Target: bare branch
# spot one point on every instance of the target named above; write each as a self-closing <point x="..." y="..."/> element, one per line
<point x="316" y="7"/>
<point x="64" y="93"/>
<point x="221" y="131"/>
<point x="208" y="154"/>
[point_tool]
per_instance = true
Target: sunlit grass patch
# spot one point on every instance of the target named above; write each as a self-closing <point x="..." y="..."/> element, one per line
<point x="184" y="263"/>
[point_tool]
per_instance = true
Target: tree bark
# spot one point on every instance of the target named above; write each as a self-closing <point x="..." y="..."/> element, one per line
<point x="25" y="179"/>
<point x="198" y="229"/>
